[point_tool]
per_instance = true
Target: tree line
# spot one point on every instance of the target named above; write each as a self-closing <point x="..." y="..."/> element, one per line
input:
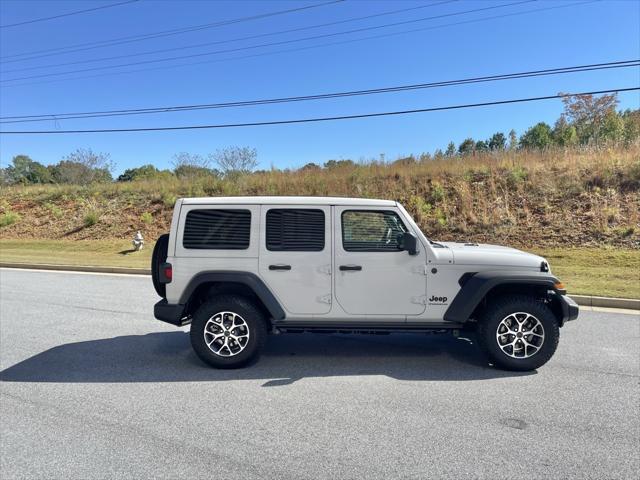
<point x="586" y="120"/>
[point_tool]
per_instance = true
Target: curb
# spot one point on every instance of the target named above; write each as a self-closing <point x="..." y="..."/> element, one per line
<point x="584" y="300"/>
<point x="593" y="301"/>
<point x="76" y="268"/>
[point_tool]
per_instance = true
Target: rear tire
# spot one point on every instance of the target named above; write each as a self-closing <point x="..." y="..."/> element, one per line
<point x="228" y="332"/>
<point x="158" y="257"/>
<point x="518" y="333"/>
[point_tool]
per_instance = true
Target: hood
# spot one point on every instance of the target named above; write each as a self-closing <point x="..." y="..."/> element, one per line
<point x="483" y="254"/>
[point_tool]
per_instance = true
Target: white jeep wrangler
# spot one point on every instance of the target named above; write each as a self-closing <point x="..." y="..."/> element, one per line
<point x="239" y="268"/>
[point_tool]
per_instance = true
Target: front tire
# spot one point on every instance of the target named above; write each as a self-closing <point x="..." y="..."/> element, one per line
<point x="518" y="333"/>
<point x="228" y="332"/>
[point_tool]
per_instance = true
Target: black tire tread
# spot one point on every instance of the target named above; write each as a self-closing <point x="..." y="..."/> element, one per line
<point x="501" y="307"/>
<point x="251" y="314"/>
<point x="158" y="257"/>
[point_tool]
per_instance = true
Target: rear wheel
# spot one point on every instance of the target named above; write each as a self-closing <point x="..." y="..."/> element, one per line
<point x="518" y="332"/>
<point x="228" y="332"/>
<point x="158" y="257"/>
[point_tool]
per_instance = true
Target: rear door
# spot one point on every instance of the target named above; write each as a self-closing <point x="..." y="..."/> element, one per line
<point x="373" y="277"/>
<point x="295" y="256"/>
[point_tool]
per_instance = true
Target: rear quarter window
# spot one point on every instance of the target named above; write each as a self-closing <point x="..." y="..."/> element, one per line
<point x="217" y="229"/>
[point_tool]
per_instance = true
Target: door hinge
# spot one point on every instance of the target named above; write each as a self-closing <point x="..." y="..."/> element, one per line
<point x="421" y="300"/>
<point x="326" y="269"/>
<point x="325" y="299"/>
<point x="420" y="269"/>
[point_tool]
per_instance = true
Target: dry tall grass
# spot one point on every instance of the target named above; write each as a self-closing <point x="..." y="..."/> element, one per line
<point x="556" y="197"/>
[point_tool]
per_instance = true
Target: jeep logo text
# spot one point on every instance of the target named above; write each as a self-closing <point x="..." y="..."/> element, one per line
<point x="435" y="299"/>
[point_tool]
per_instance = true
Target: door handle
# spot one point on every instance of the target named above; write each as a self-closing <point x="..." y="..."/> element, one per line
<point x="350" y="268"/>
<point x="279" y="267"/>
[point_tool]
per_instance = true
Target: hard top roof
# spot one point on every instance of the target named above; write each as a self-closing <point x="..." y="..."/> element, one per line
<point x="274" y="200"/>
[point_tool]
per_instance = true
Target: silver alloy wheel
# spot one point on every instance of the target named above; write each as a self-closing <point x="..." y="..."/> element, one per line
<point x="226" y="334"/>
<point x="520" y="335"/>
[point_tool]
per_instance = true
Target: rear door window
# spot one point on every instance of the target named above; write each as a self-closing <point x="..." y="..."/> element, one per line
<point x="295" y="230"/>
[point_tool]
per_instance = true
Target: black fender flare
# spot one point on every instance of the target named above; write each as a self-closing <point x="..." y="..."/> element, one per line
<point x="476" y="287"/>
<point x="248" y="279"/>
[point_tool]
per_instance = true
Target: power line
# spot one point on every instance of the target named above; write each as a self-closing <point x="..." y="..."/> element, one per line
<point x="153" y="35"/>
<point x="244" y="103"/>
<point x="310" y="47"/>
<point x="319" y="119"/>
<point x="239" y="39"/>
<point x="78" y="12"/>
<point x="314" y="37"/>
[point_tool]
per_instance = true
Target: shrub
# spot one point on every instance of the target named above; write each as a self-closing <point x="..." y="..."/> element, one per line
<point x="518" y="174"/>
<point x="147" y="218"/>
<point x="625" y="231"/>
<point x="54" y="210"/>
<point x="168" y="199"/>
<point x="8" y="218"/>
<point x="437" y="192"/>
<point x="91" y="218"/>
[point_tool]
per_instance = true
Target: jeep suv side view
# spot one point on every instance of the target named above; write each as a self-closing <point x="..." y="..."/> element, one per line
<point x="239" y="268"/>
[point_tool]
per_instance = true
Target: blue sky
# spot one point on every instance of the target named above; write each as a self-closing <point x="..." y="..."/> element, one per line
<point x="578" y="34"/>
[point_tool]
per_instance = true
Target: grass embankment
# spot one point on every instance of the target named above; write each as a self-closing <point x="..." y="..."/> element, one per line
<point x="574" y="197"/>
<point x="587" y="271"/>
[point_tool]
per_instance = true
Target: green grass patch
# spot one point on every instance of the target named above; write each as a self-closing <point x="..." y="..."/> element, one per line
<point x="147" y="218"/>
<point x="586" y="271"/>
<point x="8" y="218"/>
<point x="104" y="253"/>
<point x="605" y="271"/>
<point x="91" y="218"/>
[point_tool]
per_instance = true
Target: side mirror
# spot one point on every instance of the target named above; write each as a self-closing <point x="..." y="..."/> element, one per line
<point x="408" y="242"/>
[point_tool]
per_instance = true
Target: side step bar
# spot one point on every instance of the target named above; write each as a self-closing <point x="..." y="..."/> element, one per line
<point x="370" y="328"/>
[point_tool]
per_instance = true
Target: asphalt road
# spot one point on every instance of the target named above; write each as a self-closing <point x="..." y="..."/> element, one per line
<point x="91" y="386"/>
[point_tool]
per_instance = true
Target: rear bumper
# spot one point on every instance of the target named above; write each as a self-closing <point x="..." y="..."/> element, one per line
<point x="172" y="313"/>
<point x="570" y="309"/>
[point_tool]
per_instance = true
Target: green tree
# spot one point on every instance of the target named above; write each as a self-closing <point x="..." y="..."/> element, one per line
<point x="497" y="141"/>
<point x="24" y="170"/>
<point x="538" y="136"/>
<point x="451" y="150"/>
<point x="467" y="146"/>
<point x="588" y="114"/>
<point x="612" y="128"/>
<point x="190" y="165"/>
<point x="331" y="164"/>
<point x="481" y="146"/>
<point x="513" y="139"/>
<point x="631" y="120"/>
<point x="311" y="167"/>
<point x="564" y="134"/>
<point x="82" y="167"/>
<point x="142" y="173"/>
<point x="77" y="173"/>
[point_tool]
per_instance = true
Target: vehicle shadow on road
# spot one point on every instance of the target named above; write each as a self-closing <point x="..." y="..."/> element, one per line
<point x="168" y="357"/>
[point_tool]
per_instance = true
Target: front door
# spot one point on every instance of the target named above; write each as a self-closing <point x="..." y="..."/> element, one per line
<point x="372" y="276"/>
<point x="295" y="256"/>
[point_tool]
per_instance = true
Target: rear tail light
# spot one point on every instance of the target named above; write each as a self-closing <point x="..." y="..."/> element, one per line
<point x="166" y="273"/>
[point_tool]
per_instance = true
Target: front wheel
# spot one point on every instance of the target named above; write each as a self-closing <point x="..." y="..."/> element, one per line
<point x="228" y="332"/>
<point x="518" y="332"/>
